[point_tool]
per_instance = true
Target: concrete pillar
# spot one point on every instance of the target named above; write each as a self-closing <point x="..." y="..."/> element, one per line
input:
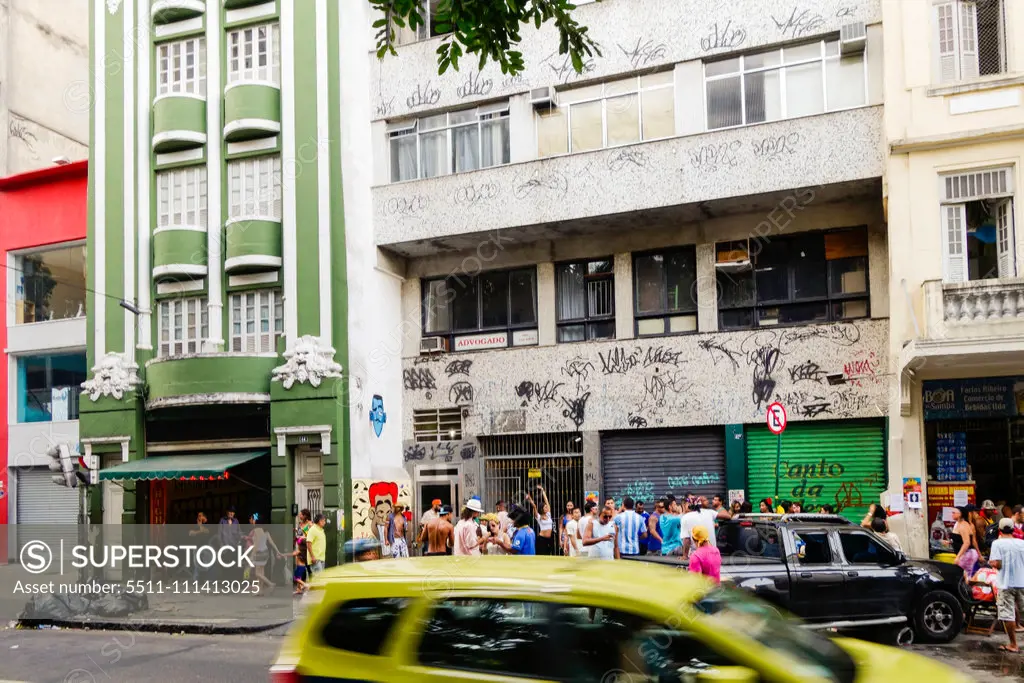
<point x="592" y="463"/>
<point x="623" y="268"/>
<point x="546" y="332"/>
<point x="707" y="289"/>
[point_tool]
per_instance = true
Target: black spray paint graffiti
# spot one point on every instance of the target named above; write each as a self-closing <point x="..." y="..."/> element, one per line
<point x="619" y="361"/>
<point x="715" y="157"/>
<point x="419" y="378"/>
<point x="660" y="383"/>
<point x="844" y="12"/>
<point x="468" y="451"/>
<point x="575" y="409"/>
<point x="764" y="358"/>
<point x="799" y="23"/>
<point x="17" y="129"/>
<point x="644" y="52"/>
<point x="774" y="147"/>
<point x="551" y="182"/>
<point x="470" y="195"/>
<point x="563" y="68"/>
<point x="578" y="368"/>
<point x="627" y="158"/>
<point x="385" y="107"/>
<point x="475" y="85"/>
<point x="460" y="392"/>
<point x="537" y="394"/>
<point x="423" y="96"/>
<point x="637" y="421"/>
<point x="723" y="37"/>
<point x="458" y="367"/>
<point x="662" y="355"/>
<point x="720" y="351"/>
<point x="516" y="81"/>
<point x="439" y="451"/>
<point x="806" y="372"/>
<point x="403" y="206"/>
<point x="840" y="334"/>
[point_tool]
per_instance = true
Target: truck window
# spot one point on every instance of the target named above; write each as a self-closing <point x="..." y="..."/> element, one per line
<point x="812" y="547"/>
<point x="862" y="548"/>
<point x="749" y="540"/>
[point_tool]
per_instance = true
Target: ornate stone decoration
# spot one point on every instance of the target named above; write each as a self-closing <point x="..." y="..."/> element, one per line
<point x="113" y="6"/>
<point x="308" y="361"/>
<point x="113" y="376"/>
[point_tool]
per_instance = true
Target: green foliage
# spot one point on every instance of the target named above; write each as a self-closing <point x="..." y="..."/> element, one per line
<point x="488" y="30"/>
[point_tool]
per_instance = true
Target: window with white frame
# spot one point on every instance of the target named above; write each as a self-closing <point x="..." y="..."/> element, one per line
<point x="783" y="83"/>
<point x="428" y="29"/>
<point x="254" y="54"/>
<point x="609" y="114"/>
<point x="181" y="197"/>
<point x="978" y="241"/>
<point x="183" y="325"/>
<point x="257" y="320"/>
<point x="181" y="67"/>
<point x="443" y="424"/>
<point x="453" y="142"/>
<point x="254" y="188"/>
<point x="969" y="39"/>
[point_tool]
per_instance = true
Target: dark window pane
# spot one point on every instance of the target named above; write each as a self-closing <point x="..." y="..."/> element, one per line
<point x="735" y="289"/>
<point x="862" y="548"/>
<point x="846" y="310"/>
<point x="849" y="275"/>
<point x="599" y="267"/>
<point x="593" y="646"/>
<point x="570" y="291"/>
<point x="725" y="106"/>
<point x="503" y="638"/>
<point x="649" y="275"/>
<point x="494" y="299"/>
<point x="602" y="330"/>
<point x="437" y="306"/>
<point x="803" y="313"/>
<point x="572" y="333"/>
<point x="772" y="283"/>
<point x="812" y="548"/>
<point x="681" y="272"/>
<point x="736" y="320"/>
<point x="809" y="279"/>
<point x="464" y="306"/>
<point x="362" y="625"/>
<point x="523" y="289"/>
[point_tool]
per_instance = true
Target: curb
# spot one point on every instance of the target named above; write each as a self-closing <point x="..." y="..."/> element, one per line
<point x="192" y="628"/>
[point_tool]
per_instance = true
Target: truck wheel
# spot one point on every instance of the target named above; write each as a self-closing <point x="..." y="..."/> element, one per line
<point x="938" y="617"/>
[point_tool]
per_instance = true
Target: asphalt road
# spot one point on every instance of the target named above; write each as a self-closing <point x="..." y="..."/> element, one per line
<point x="50" y="656"/>
<point x="65" y="656"/>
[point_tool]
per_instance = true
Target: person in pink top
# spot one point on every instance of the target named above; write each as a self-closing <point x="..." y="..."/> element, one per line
<point x="705" y="559"/>
<point x="467" y="531"/>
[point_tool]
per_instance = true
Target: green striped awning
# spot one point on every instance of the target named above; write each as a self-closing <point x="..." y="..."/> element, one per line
<point x="197" y="466"/>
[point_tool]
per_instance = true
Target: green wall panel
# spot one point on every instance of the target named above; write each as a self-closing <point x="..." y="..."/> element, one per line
<point x="306" y="171"/>
<point x="252" y="238"/>
<point x="836" y="463"/>
<point x="251" y="101"/>
<point x="210" y="375"/>
<point x="178" y="114"/>
<point x="112" y="286"/>
<point x="735" y="458"/>
<point x="179" y="246"/>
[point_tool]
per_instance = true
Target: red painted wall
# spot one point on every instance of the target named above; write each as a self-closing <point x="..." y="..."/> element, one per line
<point x="36" y="209"/>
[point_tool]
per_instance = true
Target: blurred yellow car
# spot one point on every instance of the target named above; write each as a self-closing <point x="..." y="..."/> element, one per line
<point x="562" y="619"/>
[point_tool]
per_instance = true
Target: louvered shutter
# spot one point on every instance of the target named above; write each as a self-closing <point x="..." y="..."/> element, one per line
<point x="968" y="30"/>
<point x="1005" y="241"/>
<point x="946" y="41"/>
<point x="954" y="238"/>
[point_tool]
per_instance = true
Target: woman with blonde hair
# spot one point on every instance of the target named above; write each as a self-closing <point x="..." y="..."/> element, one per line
<point x="495" y="538"/>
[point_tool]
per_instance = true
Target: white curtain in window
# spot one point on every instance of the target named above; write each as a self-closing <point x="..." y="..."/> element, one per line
<point x="571" y="302"/>
<point x="466" y="140"/>
<point x="433" y="154"/>
<point x="403" y="158"/>
<point x="494" y="142"/>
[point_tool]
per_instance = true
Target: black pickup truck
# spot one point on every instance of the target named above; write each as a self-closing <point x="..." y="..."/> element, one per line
<point x="834" y="574"/>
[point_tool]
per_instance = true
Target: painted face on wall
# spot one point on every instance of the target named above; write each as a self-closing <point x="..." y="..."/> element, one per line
<point x="383" y="497"/>
<point x="377" y="415"/>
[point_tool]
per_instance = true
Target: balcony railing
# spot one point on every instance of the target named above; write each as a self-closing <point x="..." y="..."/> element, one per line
<point x="956" y="305"/>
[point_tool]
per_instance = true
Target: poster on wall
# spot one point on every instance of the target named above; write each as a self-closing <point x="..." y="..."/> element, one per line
<point x="737" y="496"/>
<point x="591" y="496"/>
<point x="912" y="492"/>
<point x="946" y="495"/>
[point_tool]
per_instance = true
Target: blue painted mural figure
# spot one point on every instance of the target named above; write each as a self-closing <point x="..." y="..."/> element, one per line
<point x="377" y="415"/>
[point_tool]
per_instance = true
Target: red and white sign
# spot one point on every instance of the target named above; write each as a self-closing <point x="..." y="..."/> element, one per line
<point x="494" y="340"/>
<point x="776" y="418"/>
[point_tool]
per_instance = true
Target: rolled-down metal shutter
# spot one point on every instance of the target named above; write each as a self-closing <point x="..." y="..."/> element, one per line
<point x="835" y="463"/>
<point x="46" y="512"/>
<point x="648" y="464"/>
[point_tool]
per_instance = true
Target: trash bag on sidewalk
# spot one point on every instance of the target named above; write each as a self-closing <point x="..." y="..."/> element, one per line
<point x="110" y="606"/>
<point x="43" y="607"/>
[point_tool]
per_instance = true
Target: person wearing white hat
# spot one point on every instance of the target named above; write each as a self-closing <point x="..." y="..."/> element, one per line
<point x="467" y="531"/>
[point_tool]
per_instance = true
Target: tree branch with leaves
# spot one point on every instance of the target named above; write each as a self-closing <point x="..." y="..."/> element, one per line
<point x="487" y="30"/>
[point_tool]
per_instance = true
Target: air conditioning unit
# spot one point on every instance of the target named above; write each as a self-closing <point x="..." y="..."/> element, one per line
<point x="853" y="38"/>
<point x="544" y="98"/>
<point x="429" y="345"/>
<point x="733" y="257"/>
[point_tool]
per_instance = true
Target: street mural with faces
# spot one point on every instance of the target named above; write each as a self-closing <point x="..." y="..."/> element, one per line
<point x="372" y="503"/>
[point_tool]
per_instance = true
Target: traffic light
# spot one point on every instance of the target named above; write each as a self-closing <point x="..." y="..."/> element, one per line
<point x="60" y="461"/>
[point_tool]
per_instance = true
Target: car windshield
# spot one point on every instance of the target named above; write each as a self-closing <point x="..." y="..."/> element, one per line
<point x="813" y="655"/>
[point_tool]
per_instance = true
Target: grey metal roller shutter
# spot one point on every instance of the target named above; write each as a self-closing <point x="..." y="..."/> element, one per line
<point x="650" y="463"/>
<point x="46" y="511"/>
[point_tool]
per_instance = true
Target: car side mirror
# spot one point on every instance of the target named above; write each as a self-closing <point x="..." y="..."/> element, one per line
<point x="901" y="557"/>
<point x="725" y="674"/>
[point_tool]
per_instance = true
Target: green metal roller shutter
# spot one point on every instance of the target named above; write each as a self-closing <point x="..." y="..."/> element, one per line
<point x="837" y="463"/>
